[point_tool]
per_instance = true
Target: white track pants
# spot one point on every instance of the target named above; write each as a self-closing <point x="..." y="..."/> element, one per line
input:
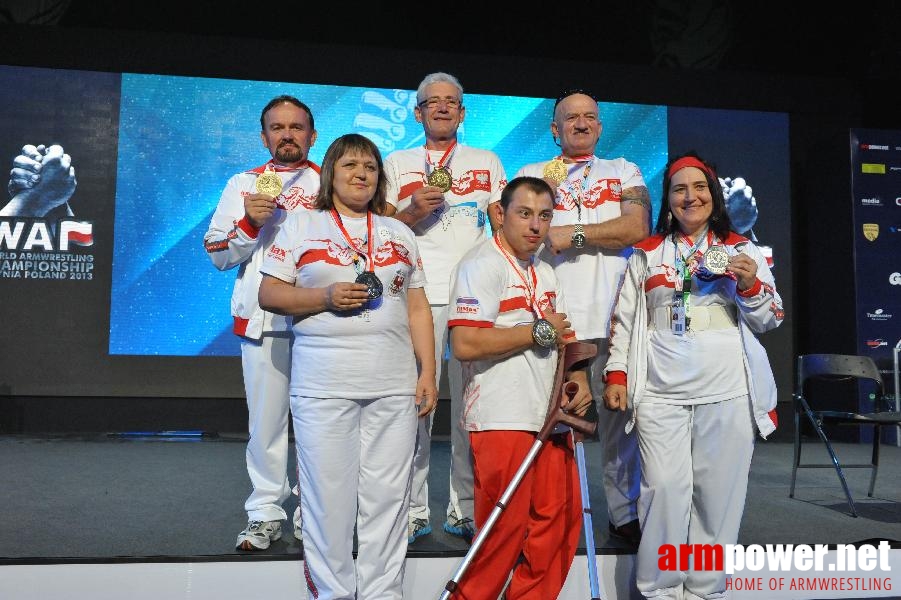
<point x="622" y="464"/>
<point x="267" y="372"/>
<point x="355" y="460"/>
<point x="695" y="464"/>
<point x="461" y="483"/>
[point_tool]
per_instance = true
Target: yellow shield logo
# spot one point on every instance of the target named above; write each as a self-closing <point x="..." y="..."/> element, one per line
<point x="871" y="231"/>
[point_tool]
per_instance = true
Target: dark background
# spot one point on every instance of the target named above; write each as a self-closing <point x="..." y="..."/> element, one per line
<point x="829" y="71"/>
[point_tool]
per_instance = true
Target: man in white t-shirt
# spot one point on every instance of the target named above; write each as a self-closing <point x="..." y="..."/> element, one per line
<point x="443" y="191"/>
<point x="508" y="326"/>
<point x="601" y="208"/>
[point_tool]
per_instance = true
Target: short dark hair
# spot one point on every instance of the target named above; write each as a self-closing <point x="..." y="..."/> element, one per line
<point x="573" y="91"/>
<point x="539" y="186"/>
<point x="350" y="142"/>
<point x="719" y="221"/>
<point x="285" y="98"/>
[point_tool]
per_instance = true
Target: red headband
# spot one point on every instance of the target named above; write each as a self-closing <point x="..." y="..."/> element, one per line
<point x="689" y="161"/>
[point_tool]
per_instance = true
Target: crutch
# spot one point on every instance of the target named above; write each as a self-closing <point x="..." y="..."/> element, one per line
<point x="579" y="448"/>
<point x="571" y="354"/>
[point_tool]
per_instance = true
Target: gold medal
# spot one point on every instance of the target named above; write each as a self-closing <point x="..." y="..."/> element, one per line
<point x="556" y="171"/>
<point x="269" y="183"/>
<point x="440" y="178"/>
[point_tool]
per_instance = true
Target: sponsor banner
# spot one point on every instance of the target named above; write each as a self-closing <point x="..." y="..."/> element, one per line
<point x="876" y="195"/>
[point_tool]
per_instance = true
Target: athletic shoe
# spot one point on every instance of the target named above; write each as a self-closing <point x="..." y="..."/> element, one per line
<point x="298" y="524"/>
<point x="418" y="528"/>
<point x="629" y="532"/>
<point x="460" y="527"/>
<point x="258" y="534"/>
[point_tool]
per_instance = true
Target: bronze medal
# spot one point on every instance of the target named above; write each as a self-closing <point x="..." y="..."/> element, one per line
<point x="372" y="283"/>
<point x="716" y="259"/>
<point x="269" y="183"/>
<point x="440" y="178"/>
<point x="556" y="171"/>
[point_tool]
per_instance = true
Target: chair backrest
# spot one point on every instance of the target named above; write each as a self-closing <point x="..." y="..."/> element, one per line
<point x="837" y="366"/>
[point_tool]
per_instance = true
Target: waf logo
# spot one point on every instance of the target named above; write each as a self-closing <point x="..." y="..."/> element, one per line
<point x="39" y="237"/>
<point x="871" y="231"/>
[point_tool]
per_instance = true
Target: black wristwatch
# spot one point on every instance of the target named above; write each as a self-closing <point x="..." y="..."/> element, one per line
<point x="544" y="334"/>
<point x="578" y="238"/>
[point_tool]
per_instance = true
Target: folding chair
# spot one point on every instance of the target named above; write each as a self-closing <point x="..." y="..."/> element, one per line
<point x="840" y="367"/>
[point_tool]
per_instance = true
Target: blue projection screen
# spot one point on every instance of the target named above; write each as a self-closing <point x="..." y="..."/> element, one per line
<point x="181" y="138"/>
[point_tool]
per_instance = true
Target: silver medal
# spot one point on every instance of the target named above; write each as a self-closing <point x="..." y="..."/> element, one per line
<point x="716" y="259"/>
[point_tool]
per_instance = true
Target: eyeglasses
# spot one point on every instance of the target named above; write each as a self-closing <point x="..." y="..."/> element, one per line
<point x="434" y="101"/>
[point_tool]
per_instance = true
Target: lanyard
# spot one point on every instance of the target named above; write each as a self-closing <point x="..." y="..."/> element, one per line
<point x="368" y="254"/>
<point x="581" y="192"/>
<point x="683" y="269"/>
<point x="530" y="288"/>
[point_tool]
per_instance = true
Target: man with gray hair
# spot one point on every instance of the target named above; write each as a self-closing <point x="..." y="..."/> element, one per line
<point x="442" y="190"/>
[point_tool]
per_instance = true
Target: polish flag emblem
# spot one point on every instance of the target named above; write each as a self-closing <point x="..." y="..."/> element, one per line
<point x="80" y="233"/>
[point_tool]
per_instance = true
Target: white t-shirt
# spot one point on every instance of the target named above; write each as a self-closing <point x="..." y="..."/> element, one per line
<point x="360" y="354"/>
<point x="447" y="234"/>
<point x="590" y="275"/>
<point x="511" y="393"/>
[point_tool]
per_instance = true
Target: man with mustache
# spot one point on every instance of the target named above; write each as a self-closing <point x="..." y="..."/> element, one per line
<point x="601" y="208"/>
<point x="253" y="207"/>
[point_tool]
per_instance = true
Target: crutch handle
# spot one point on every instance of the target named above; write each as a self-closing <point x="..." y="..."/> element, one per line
<point x="558" y="416"/>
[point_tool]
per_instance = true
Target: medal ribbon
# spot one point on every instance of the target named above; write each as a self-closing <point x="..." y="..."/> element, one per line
<point x="530" y="288"/>
<point x="287" y="184"/>
<point x="445" y="158"/>
<point x="368" y="254"/>
<point x="582" y="190"/>
<point x="682" y="267"/>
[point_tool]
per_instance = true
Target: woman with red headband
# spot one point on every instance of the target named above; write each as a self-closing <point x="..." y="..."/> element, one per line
<point x="685" y="359"/>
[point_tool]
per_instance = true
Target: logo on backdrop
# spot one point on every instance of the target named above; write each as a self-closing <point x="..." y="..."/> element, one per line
<point x="879" y="315"/>
<point x="873" y="168"/>
<point x="39" y="236"/>
<point x="871" y="231"/>
<point x="895" y="278"/>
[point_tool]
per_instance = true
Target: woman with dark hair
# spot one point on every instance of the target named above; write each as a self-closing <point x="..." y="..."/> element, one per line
<point x="354" y="283"/>
<point x="685" y="359"/>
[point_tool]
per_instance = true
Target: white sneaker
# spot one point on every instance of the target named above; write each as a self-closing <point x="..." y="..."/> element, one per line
<point x="298" y="524"/>
<point x="258" y="534"/>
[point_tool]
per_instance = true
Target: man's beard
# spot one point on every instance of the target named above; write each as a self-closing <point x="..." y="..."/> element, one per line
<point x="289" y="153"/>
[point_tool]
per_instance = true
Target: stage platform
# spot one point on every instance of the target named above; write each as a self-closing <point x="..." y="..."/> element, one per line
<point x="113" y="516"/>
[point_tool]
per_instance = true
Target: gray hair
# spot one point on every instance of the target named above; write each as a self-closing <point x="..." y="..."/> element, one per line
<point x="438" y="78"/>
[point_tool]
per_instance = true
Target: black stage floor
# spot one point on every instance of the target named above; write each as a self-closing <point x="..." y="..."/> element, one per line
<point x="113" y="498"/>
